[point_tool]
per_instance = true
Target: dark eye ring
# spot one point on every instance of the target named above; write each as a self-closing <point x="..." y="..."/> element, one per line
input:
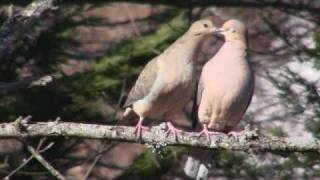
<point x="205" y="25"/>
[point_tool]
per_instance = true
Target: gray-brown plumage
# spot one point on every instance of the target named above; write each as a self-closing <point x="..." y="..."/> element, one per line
<point x="143" y="84"/>
<point x="166" y="83"/>
<point x="224" y="92"/>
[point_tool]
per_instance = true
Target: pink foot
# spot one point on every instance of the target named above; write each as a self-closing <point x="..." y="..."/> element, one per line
<point x="206" y="132"/>
<point x="172" y="129"/>
<point x="139" y="127"/>
<point x="233" y="134"/>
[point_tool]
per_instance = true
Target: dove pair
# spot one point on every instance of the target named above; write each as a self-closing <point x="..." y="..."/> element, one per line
<point x="168" y="81"/>
<point x="224" y="90"/>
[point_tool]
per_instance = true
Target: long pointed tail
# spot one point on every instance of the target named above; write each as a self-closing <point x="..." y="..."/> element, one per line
<point x="198" y="164"/>
<point x="191" y="167"/>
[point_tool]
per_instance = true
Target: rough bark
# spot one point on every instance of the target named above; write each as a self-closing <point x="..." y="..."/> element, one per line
<point x="246" y="140"/>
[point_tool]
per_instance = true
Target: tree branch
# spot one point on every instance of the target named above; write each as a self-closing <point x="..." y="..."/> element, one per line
<point x="35" y="153"/>
<point x="19" y="25"/>
<point x="247" y="139"/>
<point x="6" y="88"/>
<point x="25" y="162"/>
<point x="45" y="164"/>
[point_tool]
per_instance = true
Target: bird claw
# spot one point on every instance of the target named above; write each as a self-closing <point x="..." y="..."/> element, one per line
<point x="173" y="130"/>
<point x="206" y="132"/>
<point x="138" y="129"/>
<point x="233" y="134"/>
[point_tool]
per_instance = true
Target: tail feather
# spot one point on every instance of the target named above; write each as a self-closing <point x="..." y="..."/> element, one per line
<point x="198" y="164"/>
<point x="199" y="160"/>
<point x="191" y="167"/>
<point x="203" y="172"/>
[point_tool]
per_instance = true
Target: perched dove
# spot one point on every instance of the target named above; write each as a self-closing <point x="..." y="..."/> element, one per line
<point x="167" y="82"/>
<point x="224" y="91"/>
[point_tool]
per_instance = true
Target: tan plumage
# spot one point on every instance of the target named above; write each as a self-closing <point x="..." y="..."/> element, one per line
<point x="227" y="82"/>
<point x="225" y="87"/>
<point x="167" y="81"/>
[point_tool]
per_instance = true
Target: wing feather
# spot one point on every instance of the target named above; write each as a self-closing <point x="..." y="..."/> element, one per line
<point x="144" y="83"/>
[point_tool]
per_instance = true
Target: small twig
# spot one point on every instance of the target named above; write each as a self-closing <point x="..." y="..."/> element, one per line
<point x="46" y="148"/>
<point x="55" y="173"/>
<point x="136" y="29"/>
<point x="96" y="159"/>
<point x="35" y="153"/>
<point x="42" y="140"/>
<point x="132" y="20"/>
<point x="25" y="162"/>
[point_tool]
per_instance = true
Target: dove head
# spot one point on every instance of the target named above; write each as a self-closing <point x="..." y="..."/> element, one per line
<point x="232" y="30"/>
<point x="202" y="27"/>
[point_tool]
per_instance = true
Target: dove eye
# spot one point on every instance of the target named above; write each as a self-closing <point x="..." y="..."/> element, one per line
<point x="205" y="25"/>
<point x="230" y="30"/>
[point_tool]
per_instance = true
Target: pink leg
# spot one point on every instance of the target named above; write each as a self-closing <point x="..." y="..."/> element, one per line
<point x="233" y="134"/>
<point x="139" y="127"/>
<point x="172" y="129"/>
<point x="206" y="132"/>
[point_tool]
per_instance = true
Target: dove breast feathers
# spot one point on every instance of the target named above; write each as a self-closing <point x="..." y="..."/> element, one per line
<point x="227" y="85"/>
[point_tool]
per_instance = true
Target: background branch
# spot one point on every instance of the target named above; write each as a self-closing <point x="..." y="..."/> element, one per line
<point x="35" y="153"/>
<point x="6" y="88"/>
<point x="311" y="7"/>
<point x="45" y="164"/>
<point x="19" y="25"/>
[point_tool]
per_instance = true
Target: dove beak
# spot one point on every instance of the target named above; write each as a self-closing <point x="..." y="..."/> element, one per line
<point x="218" y="30"/>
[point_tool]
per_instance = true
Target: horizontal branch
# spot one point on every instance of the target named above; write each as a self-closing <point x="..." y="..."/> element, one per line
<point x="6" y="88"/>
<point x="19" y="25"/>
<point x="156" y="135"/>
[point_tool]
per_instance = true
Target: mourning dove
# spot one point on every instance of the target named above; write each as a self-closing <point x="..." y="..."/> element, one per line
<point x="166" y="83"/>
<point x="224" y="90"/>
